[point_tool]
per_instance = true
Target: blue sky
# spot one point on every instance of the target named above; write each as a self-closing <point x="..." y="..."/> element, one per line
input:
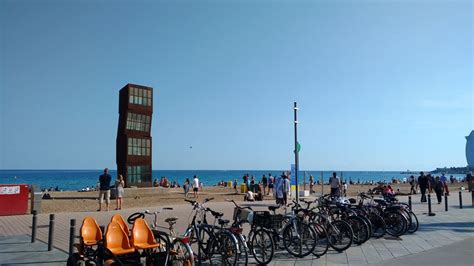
<point x="381" y="85"/>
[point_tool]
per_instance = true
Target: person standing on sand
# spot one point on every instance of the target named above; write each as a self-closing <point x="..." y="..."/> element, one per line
<point x="104" y="186"/>
<point x="335" y="183"/>
<point x="264" y="184"/>
<point x="119" y="191"/>
<point x="186" y="187"/>
<point x="271" y="183"/>
<point x="196" y="186"/>
<point x="311" y="184"/>
<point x="235" y="186"/>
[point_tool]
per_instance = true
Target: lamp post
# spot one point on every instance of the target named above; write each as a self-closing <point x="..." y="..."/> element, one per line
<point x="295" y="108"/>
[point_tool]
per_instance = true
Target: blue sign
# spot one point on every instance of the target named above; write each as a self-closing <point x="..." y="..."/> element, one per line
<point x="293" y="175"/>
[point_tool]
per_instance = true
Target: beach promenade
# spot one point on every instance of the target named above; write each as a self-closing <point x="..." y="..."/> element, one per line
<point x="446" y="234"/>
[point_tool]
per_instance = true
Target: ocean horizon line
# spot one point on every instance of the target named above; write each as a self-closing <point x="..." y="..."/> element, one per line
<point x="222" y="170"/>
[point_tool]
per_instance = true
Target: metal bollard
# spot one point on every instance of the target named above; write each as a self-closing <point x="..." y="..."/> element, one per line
<point x="33" y="227"/>
<point x="460" y="200"/>
<point x="72" y="232"/>
<point x="409" y="202"/>
<point x="51" y="232"/>
<point x="445" y="202"/>
<point x="429" y="204"/>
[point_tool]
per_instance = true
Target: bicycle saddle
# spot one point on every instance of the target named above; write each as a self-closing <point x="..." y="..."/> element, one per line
<point x="216" y="214"/>
<point x="223" y="221"/>
<point x="273" y="208"/>
<point x="171" y="220"/>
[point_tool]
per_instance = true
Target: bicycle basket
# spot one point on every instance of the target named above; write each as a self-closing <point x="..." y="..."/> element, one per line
<point x="262" y="218"/>
<point x="277" y="221"/>
<point x="242" y="215"/>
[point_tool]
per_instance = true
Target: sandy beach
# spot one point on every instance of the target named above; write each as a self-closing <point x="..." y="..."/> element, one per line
<point x="70" y="201"/>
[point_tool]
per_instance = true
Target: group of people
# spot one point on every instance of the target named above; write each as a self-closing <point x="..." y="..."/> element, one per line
<point x="105" y="187"/>
<point x="164" y="182"/>
<point x="195" y="185"/>
<point x="429" y="183"/>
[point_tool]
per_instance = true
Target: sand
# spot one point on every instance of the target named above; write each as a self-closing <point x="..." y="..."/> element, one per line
<point x="70" y="201"/>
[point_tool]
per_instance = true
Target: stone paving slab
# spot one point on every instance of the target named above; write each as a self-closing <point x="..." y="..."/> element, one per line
<point x="19" y="249"/>
<point x="435" y="231"/>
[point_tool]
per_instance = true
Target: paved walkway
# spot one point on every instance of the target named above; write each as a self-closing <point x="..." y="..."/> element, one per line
<point x="443" y="229"/>
<point x="19" y="250"/>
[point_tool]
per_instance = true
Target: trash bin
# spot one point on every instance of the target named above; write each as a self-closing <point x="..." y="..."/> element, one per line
<point x="36" y="197"/>
<point x="13" y="199"/>
<point x="243" y="188"/>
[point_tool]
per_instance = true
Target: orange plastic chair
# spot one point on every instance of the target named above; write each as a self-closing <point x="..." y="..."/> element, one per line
<point x="90" y="232"/>
<point x="119" y="219"/>
<point x="116" y="240"/>
<point x="142" y="236"/>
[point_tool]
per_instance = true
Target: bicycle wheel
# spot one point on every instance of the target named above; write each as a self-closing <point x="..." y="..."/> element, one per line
<point x="340" y="235"/>
<point x="243" y="251"/>
<point x="198" y="239"/>
<point x="299" y="238"/>
<point x="369" y="224"/>
<point x="322" y="241"/>
<point x="223" y="249"/>
<point x="181" y="254"/>
<point x="262" y="246"/>
<point x="359" y="228"/>
<point x="413" y="227"/>
<point x="378" y="225"/>
<point x="396" y="223"/>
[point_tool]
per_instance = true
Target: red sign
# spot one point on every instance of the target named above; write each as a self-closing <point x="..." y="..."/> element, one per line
<point x="13" y="199"/>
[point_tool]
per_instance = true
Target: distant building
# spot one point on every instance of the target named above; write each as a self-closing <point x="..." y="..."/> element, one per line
<point x="134" y="141"/>
<point x="470" y="150"/>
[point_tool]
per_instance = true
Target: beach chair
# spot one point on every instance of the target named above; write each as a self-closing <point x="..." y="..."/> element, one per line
<point x="119" y="219"/>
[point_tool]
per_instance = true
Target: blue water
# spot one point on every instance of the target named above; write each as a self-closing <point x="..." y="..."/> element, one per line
<point x="78" y="179"/>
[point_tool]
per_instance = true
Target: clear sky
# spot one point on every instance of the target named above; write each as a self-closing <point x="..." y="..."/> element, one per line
<point x="381" y="85"/>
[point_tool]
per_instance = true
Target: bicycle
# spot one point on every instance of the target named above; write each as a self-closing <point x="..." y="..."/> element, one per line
<point x="177" y="248"/>
<point x="215" y="244"/>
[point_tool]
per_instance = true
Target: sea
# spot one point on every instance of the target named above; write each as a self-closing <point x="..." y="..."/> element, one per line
<point x="75" y="180"/>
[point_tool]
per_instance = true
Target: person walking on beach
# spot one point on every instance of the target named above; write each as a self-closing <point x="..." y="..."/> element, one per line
<point x="119" y="191"/>
<point x="423" y="183"/>
<point x="438" y="188"/>
<point x="271" y="183"/>
<point x="264" y="184"/>
<point x="186" y="187"/>
<point x="335" y="183"/>
<point x="104" y="186"/>
<point x="195" y="186"/>
<point x="412" y="185"/>
<point x="235" y="186"/>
